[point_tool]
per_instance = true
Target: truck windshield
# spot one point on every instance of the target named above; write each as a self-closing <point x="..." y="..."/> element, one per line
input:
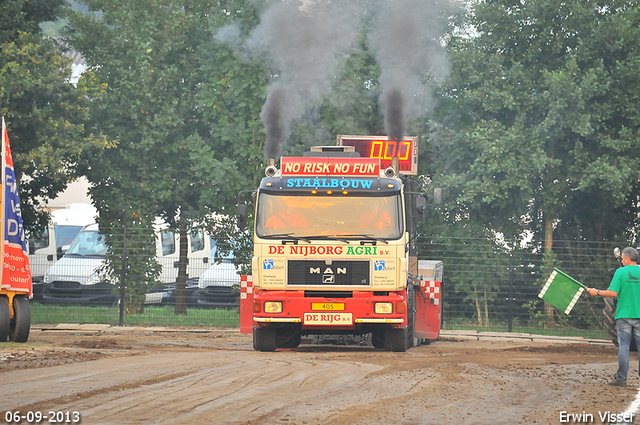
<point x="87" y="243"/>
<point x="318" y="217"/>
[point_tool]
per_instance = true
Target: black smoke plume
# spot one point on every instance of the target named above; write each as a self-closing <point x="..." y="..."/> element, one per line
<point x="272" y="117"/>
<point x="407" y="38"/>
<point x="394" y="113"/>
<point x="306" y="41"/>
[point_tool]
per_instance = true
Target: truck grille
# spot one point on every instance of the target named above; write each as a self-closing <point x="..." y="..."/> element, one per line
<point x="317" y="272"/>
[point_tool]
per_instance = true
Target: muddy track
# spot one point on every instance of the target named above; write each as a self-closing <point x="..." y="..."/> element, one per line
<point x="215" y="377"/>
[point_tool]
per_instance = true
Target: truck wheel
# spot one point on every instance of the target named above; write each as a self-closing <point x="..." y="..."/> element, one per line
<point x="5" y="319"/>
<point x="287" y="338"/>
<point x="609" y="312"/>
<point x="264" y="339"/>
<point x="377" y="339"/>
<point x="21" y="323"/>
<point x="395" y="340"/>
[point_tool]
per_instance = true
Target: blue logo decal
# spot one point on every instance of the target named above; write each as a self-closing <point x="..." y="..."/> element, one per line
<point x="378" y="265"/>
<point x="267" y="264"/>
<point x="319" y="182"/>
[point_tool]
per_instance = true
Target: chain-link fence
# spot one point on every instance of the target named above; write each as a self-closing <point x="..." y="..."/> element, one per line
<point x="491" y="286"/>
<point x="130" y="276"/>
<point x="487" y="285"/>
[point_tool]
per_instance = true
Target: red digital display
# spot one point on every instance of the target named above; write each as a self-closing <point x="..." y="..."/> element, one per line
<point x="383" y="149"/>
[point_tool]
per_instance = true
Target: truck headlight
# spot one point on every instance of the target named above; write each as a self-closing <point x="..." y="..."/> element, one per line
<point x="47" y="277"/>
<point x="273" y="307"/>
<point x="383" y="308"/>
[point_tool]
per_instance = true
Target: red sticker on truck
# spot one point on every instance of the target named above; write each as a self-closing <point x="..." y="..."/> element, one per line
<point x="330" y="166"/>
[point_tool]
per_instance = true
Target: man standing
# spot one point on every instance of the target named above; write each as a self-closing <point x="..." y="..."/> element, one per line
<point x="626" y="286"/>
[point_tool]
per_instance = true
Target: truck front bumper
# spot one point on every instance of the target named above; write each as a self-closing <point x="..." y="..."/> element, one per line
<point x="340" y="313"/>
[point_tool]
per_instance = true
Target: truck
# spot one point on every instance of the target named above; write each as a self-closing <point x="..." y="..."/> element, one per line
<point x="334" y="247"/>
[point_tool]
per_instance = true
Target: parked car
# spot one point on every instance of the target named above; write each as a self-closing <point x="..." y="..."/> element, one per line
<point x="219" y="286"/>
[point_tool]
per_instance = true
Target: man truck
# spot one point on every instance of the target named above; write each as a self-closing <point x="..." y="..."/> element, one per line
<point x="334" y="247"/>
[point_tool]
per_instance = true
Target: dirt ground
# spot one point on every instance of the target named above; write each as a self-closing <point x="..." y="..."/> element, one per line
<point x="214" y="377"/>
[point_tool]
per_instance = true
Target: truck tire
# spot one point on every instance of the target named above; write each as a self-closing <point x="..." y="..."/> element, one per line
<point x="5" y="318"/>
<point x="288" y="338"/>
<point x="609" y="312"/>
<point x="264" y="339"/>
<point x="395" y="340"/>
<point x="377" y="339"/>
<point x="21" y="323"/>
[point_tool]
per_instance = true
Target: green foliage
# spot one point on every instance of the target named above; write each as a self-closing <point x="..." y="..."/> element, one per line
<point x="539" y="109"/>
<point x="46" y="115"/>
<point x="25" y="16"/>
<point x="137" y="242"/>
<point x="230" y="159"/>
<point x="181" y="107"/>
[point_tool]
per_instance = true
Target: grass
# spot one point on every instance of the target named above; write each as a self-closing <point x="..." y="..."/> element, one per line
<point x="152" y="316"/>
<point x="196" y="317"/>
<point x="465" y="324"/>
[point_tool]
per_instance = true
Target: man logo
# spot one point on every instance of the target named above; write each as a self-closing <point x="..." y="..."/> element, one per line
<point x="379" y="265"/>
<point x="267" y="264"/>
<point x="328" y="275"/>
<point x="341" y="270"/>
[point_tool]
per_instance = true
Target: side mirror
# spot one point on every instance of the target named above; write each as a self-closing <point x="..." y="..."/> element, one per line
<point x="242" y="216"/>
<point x="32" y="247"/>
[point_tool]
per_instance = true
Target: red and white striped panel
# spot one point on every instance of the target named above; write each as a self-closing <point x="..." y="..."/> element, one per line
<point x="246" y="286"/>
<point x="431" y="289"/>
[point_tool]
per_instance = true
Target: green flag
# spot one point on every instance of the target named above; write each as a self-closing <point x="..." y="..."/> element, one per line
<point x="561" y="291"/>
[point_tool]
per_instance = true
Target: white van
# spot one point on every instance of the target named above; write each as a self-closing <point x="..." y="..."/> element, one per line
<point x="49" y="246"/>
<point x="78" y="276"/>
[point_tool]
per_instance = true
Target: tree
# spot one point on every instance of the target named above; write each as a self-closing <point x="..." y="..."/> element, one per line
<point x="541" y="107"/>
<point x="179" y="106"/>
<point x="45" y="113"/>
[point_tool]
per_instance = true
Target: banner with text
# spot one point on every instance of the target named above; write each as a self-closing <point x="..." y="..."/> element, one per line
<point x="16" y="273"/>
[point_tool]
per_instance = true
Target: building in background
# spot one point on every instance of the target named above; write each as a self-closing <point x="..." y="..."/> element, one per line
<point x="75" y="193"/>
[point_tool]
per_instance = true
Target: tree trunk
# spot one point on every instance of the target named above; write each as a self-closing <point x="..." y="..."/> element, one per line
<point x="181" y="281"/>
<point x="478" y="309"/>
<point x="548" y="246"/>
